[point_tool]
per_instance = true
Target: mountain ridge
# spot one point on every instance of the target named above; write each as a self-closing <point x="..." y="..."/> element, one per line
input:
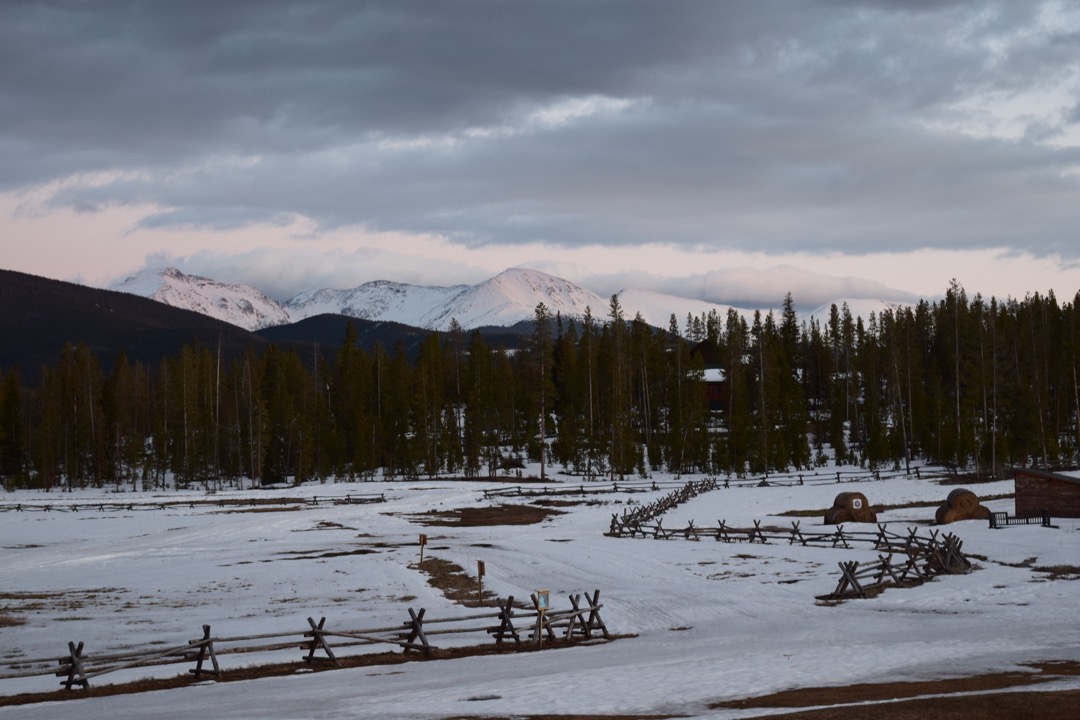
<point x="504" y="300"/>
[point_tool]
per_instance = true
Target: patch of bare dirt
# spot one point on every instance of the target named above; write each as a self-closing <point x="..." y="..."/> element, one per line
<point x="302" y="555"/>
<point x="997" y="706"/>
<point x="1059" y="572"/>
<point x="906" y="700"/>
<point x="561" y="717"/>
<point x="559" y="503"/>
<point x="283" y="508"/>
<point x="455" y="584"/>
<point x="485" y="516"/>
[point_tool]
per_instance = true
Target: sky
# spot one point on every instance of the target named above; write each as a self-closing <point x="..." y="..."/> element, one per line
<point x="731" y="152"/>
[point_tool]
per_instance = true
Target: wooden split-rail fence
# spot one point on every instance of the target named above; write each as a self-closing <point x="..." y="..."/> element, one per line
<point x="253" y="502"/>
<point x="920" y="556"/>
<point x="917" y="563"/>
<point x="837" y="536"/>
<point x="509" y="623"/>
<point x="607" y="487"/>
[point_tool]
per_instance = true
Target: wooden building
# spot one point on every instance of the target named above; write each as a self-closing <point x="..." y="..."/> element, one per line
<point x="715" y="377"/>
<point x="1038" y="491"/>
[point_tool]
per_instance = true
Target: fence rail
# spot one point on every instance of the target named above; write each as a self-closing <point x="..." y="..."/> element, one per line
<point x="914" y="568"/>
<point x="923" y="556"/>
<point x="882" y="538"/>
<point x="253" y="502"/>
<point x="508" y="623"/>
<point x="605" y="487"/>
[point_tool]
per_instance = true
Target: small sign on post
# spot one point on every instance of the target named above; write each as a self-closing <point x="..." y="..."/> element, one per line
<point x="543" y="602"/>
<point x="423" y="542"/>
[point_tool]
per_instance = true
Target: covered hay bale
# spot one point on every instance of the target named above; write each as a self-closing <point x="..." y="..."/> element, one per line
<point x="961" y="504"/>
<point x="963" y="500"/>
<point x="850" y="507"/>
<point x="946" y="514"/>
<point x="837" y="516"/>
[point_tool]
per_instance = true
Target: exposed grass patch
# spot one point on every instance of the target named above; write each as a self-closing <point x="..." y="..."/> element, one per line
<point x="261" y="510"/>
<point x="1059" y="572"/>
<point x="454" y="583"/>
<point x="1029" y="562"/>
<point x="559" y="503"/>
<point x="300" y="555"/>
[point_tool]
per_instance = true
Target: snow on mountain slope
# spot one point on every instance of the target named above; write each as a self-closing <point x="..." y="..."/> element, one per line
<point x="512" y="296"/>
<point x="240" y="305"/>
<point x="377" y="300"/>
<point x="504" y="300"/>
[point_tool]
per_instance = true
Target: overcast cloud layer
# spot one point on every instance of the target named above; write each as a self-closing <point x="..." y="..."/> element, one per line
<point x="768" y="127"/>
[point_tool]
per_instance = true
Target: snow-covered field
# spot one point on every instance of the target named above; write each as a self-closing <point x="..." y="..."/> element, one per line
<point x="713" y="621"/>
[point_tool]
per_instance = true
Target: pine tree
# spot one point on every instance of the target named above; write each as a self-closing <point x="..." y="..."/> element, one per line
<point x="541" y="351"/>
<point x="13" y="460"/>
<point x="621" y="455"/>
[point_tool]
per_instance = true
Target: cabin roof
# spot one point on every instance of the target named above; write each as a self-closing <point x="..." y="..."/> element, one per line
<point x="1045" y="475"/>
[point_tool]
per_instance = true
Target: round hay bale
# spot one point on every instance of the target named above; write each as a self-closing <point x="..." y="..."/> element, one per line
<point x="942" y="511"/>
<point x="981" y="512"/>
<point x="853" y="502"/>
<point x="963" y="500"/>
<point x="946" y="514"/>
<point x="866" y="515"/>
<point x="837" y="516"/>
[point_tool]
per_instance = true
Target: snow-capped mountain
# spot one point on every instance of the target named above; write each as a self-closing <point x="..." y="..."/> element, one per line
<point x="512" y="296"/>
<point x="377" y="300"/>
<point x="240" y="305"/>
<point x="504" y="300"/>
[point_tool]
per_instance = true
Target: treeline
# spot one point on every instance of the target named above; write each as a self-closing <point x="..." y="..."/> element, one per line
<point x="966" y="383"/>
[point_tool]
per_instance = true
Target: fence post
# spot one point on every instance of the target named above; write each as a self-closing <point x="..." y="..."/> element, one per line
<point x="594" y="622"/>
<point x="416" y="632"/>
<point x="76" y="675"/>
<point x="206" y="649"/>
<point x="506" y="623"/>
<point x="318" y="640"/>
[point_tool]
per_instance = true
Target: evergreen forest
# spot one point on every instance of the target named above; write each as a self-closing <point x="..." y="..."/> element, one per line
<point x="970" y="384"/>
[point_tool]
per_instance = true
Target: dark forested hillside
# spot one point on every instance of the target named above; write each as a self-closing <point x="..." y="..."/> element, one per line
<point x="39" y="316"/>
<point x="328" y="331"/>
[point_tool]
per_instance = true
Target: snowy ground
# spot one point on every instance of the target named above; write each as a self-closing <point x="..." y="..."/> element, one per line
<point x="713" y="621"/>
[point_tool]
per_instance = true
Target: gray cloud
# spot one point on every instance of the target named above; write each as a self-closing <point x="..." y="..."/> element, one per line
<point x="755" y="288"/>
<point x="768" y="126"/>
